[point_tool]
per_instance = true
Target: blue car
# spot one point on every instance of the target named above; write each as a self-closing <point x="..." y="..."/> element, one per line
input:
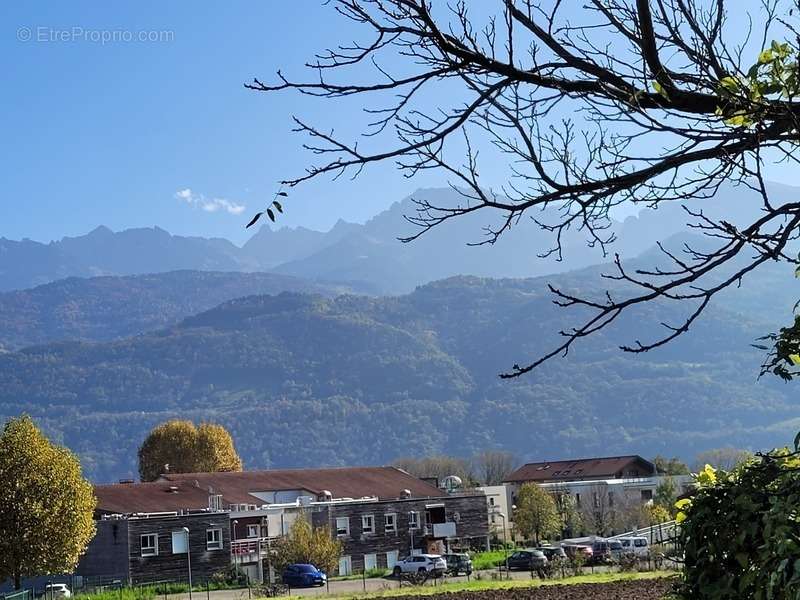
<point x="303" y="576"/>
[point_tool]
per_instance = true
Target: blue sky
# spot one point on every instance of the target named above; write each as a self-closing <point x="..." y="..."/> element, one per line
<point x="98" y="133"/>
<point x="108" y="133"/>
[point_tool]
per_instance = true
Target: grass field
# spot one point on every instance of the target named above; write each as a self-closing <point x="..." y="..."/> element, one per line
<point x="490" y="584"/>
<point x="488" y="560"/>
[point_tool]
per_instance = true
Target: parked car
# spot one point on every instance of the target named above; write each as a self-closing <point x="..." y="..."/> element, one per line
<point x="636" y="545"/>
<point x="299" y="575"/>
<point x="458" y="563"/>
<point x="421" y="563"/>
<point x="553" y="553"/>
<point x="527" y="560"/>
<point x="601" y="552"/>
<point x="575" y="550"/>
<point x="56" y="590"/>
<point x="617" y="550"/>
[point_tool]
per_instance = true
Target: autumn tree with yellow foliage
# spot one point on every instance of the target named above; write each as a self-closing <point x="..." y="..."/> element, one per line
<point x="307" y="545"/>
<point x="179" y="446"/>
<point x="46" y="506"/>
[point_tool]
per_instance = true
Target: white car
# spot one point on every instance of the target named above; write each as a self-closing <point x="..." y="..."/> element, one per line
<point x="421" y="563"/>
<point x="56" y="590"/>
<point x="636" y="545"/>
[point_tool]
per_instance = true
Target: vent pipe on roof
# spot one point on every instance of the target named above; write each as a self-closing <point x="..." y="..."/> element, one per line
<point x="405" y="494"/>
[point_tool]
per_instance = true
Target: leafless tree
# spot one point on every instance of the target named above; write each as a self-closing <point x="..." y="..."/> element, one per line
<point x="492" y="466"/>
<point x="641" y="101"/>
<point x="722" y="458"/>
<point x="437" y="466"/>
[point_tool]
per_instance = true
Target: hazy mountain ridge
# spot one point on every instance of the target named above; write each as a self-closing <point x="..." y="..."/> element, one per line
<point x="307" y="380"/>
<point x="369" y="254"/>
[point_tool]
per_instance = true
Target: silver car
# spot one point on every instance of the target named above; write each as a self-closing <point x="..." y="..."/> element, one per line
<point x="421" y="563"/>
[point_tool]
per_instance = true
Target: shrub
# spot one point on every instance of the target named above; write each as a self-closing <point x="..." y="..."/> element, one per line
<point x="740" y="533"/>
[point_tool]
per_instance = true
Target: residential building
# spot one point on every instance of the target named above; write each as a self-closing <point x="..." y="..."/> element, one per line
<point x="388" y="513"/>
<point x="499" y="507"/>
<point x="144" y="548"/>
<point x="376" y="533"/>
<point x="586" y="469"/>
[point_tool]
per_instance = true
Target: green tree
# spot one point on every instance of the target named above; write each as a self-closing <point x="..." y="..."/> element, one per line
<point x="305" y="544"/>
<point x="179" y="447"/>
<point x="670" y="466"/>
<point x="665" y="495"/>
<point x="738" y="532"/>
<point x="536" y="515"/>
<point x="46" y="506"/>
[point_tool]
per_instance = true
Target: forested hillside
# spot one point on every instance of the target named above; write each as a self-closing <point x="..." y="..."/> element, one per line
<point x="105" y="308"/>
<point x="306" y="380"/>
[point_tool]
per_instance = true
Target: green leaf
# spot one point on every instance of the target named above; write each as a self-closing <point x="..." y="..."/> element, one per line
<point x="271" y="215"/>
<point x="284" y="194"/>
<point x="660" y="90"/>
<point x="795" y="358"/>
<point x="278" y="206"/>
<point x="729" y="84"/>
<point x="766" y="57"/>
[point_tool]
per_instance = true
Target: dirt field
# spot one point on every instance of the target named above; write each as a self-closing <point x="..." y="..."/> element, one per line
<point x="643" y="589"/>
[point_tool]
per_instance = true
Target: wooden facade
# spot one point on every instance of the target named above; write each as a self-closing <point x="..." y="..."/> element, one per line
<point x="453" y="522"/>
<point x="143" y="549"/>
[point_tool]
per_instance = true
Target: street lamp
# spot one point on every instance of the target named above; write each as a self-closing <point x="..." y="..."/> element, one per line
<point x="511" y="527"/>
<point x="235" y="557"/>
<point x="505" y="540"/>
<point x="189" y="559"/>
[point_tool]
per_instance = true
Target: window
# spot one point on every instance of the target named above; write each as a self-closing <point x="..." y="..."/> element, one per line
<point x="150" y="544"/>
<point x="493" y="519"/>
<point x="491" y="501"/>
<point x="252" y="531"/>
<point x="611" y="498"/>
<point x="213" y="539"/>
<point x="413" y="519"/>
<point x="370" y="562"/>
<point x="578" y="500"/>
<point x="180" y="542"/>
<point x="391" y="523"/>
<point x="342" y="526"/>
<point x="368" y="524"/>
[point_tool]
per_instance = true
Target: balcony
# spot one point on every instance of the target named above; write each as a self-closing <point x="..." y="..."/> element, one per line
<point x="247" y="548"/>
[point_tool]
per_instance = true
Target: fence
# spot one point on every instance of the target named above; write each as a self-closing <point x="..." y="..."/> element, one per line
<point x="21" y="595"/>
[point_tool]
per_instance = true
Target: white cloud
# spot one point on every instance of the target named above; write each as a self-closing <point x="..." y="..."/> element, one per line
<point x="200" y="201"/>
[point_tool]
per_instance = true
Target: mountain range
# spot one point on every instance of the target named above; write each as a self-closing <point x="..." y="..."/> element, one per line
<point x="307" y="371"/>
<point x="306" y="379"/>
<point x="365" y="257"/>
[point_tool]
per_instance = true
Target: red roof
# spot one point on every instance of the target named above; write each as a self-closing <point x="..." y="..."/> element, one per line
<point x="191" y="490"/>
<point x="580" y="469"/>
